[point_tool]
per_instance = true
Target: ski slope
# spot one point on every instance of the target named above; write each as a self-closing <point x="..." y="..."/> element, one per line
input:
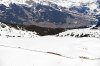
<point x="24" y="48"/>
<point x="49" y="51"/>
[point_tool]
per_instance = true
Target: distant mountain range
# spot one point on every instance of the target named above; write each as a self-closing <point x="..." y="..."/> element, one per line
<point x="50" y="13"/>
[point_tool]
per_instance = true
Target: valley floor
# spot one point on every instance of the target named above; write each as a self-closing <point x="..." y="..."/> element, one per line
<point x="49" y="51"/>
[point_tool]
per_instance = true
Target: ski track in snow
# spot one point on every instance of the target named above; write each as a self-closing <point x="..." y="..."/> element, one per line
<point x="81" y="57"/>
<point x="38" y="51"/>
<point x="80" y="49"/>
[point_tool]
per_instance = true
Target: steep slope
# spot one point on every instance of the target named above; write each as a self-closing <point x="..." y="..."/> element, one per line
<point x="61" y="13"/>
<point x="64" y="3"/>
<point x="91" y="4"/>
<point x="43" y="16"/>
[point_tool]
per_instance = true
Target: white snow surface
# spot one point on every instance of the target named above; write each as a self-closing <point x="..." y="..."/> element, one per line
<point x="42" y="51"/>
<point x="81" y="33"/>
<point x="47" y="50"/>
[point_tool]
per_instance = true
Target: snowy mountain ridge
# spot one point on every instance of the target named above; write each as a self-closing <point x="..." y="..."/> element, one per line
<point x="92" y="4"/>
<point x="64" y="3"/>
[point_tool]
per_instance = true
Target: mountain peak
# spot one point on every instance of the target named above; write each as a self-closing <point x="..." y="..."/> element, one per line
<point x="92" y="4"/>
<point x="64" y="3"/>
<point x="53" y="11"/>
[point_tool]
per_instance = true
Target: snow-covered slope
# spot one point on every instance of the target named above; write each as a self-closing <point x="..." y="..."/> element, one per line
<point x="92" y="4"/>
<point x="81" y="33"/>
<point x="7" y="31"/>
<point x="21" y="49"/>
<point x="49" y="51"/>
<point x="64" y="3"/>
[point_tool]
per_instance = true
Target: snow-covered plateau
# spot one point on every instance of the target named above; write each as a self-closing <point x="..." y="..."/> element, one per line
<point x="25" y="48"/>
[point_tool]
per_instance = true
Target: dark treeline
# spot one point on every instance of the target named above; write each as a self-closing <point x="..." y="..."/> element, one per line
<point x="42" y="31"/>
